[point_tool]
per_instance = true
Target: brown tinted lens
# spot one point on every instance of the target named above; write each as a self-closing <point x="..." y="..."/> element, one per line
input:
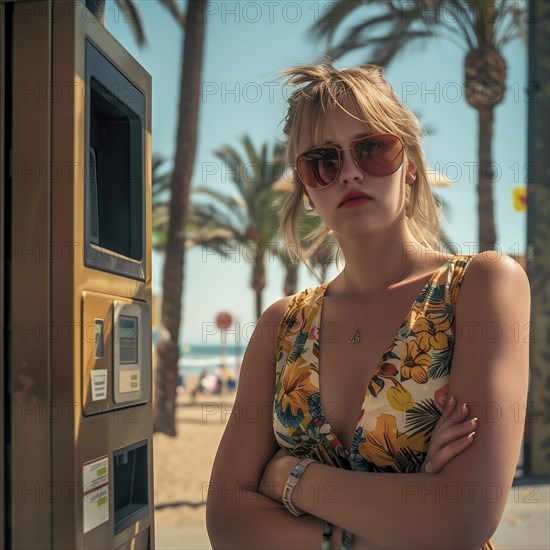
<point x="379" y="155"/>
<point x="319" y="167"/>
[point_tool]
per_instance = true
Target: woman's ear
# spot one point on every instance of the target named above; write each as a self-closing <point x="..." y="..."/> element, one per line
<point x="410" y="178"/>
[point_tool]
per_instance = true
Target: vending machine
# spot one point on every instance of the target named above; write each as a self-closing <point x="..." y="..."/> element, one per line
<point x="75" y="204"/>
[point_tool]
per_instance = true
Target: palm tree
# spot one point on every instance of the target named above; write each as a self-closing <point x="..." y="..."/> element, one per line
<point x="482" y="27"/>
<point x="166" y="373"/>
<point x="249" y="220"/>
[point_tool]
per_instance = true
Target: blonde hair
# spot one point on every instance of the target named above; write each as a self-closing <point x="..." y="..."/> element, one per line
<point x="323" y="86"/>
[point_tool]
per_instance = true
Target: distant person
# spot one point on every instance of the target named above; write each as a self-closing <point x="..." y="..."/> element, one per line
<point x="222" y="372"/>
<point x="231" y="381"/>
<point x="343" y="428"/>
<point x="208" y="383"/>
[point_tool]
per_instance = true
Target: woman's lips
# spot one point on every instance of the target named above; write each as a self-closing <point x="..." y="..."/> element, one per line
<point x="358" y="201"/>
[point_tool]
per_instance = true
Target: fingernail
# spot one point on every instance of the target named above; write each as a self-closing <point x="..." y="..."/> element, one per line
<point x="474" y="421"/>
<point x="428" y="468"/>
<point x="451" y="403"/>
<point x="464" y="408"/>
<point x="471" y="435"/>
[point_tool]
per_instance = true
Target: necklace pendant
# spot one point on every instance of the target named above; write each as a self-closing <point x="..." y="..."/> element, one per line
<point x="355" y="338"/>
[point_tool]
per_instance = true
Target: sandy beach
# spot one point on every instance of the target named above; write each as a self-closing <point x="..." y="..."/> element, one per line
<point x="183" y="464"/>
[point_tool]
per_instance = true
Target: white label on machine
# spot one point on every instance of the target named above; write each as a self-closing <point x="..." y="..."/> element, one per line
<point x="99" y="384"/>
<point x="128" y="381"/>
<point x="95" y="494"/>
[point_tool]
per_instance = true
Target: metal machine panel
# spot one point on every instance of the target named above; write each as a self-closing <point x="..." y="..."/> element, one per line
<point x="70" y="423"/>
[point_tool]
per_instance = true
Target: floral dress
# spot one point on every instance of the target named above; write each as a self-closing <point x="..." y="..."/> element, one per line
<point x="405" y="396"/>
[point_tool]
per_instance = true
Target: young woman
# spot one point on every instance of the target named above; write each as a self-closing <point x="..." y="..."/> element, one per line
<point x="330" y="396"/>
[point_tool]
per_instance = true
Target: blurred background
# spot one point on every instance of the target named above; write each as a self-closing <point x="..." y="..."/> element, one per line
<point x="476" y="75"/>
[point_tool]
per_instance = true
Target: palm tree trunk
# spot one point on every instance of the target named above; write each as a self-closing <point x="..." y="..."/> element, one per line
<point x="258" y="282"/>
<point x="166" y="372"/>
<point x="486" y="216"/>
<point x="291" y="279"/>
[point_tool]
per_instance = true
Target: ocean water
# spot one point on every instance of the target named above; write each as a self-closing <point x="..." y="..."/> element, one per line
<point x="194" y="358"/>
<point x="198" y="356"/>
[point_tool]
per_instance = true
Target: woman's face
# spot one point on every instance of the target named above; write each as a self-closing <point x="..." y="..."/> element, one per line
<point x="354" y="217"/>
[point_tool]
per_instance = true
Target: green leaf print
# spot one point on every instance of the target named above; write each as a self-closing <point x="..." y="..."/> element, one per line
<point x="441" y="360"/>
<point x="422" y="418"/>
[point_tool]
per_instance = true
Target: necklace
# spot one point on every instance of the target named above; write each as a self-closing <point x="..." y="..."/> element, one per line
<point x="356" y="336"/>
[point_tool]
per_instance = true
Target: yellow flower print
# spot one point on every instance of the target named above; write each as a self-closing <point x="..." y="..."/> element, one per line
<point x="380" y="445"/>
<point x="428" y="337"/>
<point x="296" y="387"/>
<point x="415" y="363"/>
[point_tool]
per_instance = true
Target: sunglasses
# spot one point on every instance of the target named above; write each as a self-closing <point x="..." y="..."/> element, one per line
<point x="377" y="155"/>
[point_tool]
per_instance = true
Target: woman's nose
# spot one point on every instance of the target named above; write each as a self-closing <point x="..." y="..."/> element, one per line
<point x="350" y="171"/>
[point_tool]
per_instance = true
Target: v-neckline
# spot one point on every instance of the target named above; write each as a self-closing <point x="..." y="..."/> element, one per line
<point x="367" y="395"/>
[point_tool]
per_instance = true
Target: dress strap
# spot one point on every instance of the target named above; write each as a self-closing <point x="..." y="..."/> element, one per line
<point x="296" y="313"/>
<point x="461" y="262"/>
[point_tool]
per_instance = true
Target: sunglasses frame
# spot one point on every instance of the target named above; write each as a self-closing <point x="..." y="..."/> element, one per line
<point x="341" y="157"/>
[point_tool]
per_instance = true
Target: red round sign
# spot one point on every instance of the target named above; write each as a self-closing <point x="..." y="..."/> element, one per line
<point x="224" y="320"/>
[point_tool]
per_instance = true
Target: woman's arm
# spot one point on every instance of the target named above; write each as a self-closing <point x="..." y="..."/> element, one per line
<point x="237" y="516"/>
<point x="462" y="506"/>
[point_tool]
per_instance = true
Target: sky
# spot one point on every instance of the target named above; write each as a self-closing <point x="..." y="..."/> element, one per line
<point x="247" y="45"/>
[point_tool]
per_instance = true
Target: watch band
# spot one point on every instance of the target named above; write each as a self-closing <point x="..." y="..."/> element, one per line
<point x="291" y="483"/>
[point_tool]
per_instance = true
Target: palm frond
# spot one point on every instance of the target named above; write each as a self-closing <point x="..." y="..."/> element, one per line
<point x="386" y="48"/>
<point x="174" y="9"/>
<point x="236" y="205"/>
<point x="235" y="164"/>
<point x="210" y="215"/>
<point x="463" y="22"/>
<point x="511" y="23"/>
<point x="255" y="159"/>
<point x="130" y="9"/>
<point x="332" y="18"/>
<point x="356" y="31"/>
<point x="160" y="182"/>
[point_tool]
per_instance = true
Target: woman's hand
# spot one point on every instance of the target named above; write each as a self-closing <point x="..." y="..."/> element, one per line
<point x="452" y="434"/>
<point x="276" y="474"/>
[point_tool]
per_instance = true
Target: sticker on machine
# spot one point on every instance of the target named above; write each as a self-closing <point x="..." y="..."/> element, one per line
<point x="95" y="494"/>
<point x="99" y="384"/>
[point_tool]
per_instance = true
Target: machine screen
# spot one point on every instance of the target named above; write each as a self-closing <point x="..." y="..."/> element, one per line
<point x="128" y="339"/>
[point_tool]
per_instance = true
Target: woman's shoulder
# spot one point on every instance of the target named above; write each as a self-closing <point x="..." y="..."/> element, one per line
<point x="493" y="275"/>
<point x="494" y="264"/>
